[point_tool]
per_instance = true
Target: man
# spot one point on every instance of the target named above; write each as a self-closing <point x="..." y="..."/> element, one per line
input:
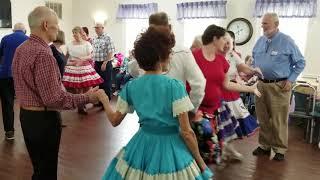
<point x="103" y="54"/>
<point x="183" y="65"/>
<point x="281" y="62"/>
<point x="8" y="47"/>
<point x="40" y="93"/>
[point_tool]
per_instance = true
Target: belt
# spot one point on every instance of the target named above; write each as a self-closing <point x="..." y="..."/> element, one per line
<point x="33" y="108"/>
<point x="273" y="80"/>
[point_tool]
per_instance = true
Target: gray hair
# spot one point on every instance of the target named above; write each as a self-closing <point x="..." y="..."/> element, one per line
<point x="19" y="26"/>
<point x="274" y="17"/>
<point x="38" y="15"/>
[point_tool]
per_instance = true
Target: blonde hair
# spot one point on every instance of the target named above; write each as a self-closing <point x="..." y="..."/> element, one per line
<point x="60" y="38"/>
<point x="76" y="29"/>
<point x="38" y="15"/>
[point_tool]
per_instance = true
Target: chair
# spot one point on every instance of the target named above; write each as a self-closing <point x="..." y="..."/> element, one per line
<point x="305" y="106"/>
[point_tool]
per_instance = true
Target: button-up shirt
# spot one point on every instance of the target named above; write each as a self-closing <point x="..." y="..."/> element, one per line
<point x="8" y="46"/>
<point x="278" y="57"/>
<point x="102" y="46"/>
<point x="37" y="79"/>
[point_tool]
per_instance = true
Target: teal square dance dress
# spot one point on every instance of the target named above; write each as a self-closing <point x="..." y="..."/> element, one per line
<point x="156" y="151"/>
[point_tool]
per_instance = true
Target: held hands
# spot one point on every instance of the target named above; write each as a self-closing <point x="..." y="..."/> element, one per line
<point x="257" y="71"/>
<point x="102" y="96"/>
<point x="93" y="94"/>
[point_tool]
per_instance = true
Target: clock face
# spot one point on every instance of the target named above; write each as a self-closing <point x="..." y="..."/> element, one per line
<point x="242" y="29"/>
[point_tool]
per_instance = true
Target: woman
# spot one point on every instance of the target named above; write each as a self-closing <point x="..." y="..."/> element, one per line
<point x="165" y="147"/>
<point x="248" y="124"/>
<point x="57" y="51"/>
<point x="79" y="75"/>
<point x="215" y="67"/>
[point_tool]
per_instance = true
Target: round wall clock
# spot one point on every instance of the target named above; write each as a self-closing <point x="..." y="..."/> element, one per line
<point x="242" y="29"/>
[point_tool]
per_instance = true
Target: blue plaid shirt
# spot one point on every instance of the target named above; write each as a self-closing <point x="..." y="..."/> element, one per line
<point x="102" y="46"/>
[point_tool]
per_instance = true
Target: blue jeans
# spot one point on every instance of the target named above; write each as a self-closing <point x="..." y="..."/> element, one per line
<point x="106" y="76"/>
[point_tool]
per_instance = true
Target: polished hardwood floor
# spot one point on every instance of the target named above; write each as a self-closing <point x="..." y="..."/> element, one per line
<point x="89" y="143"/>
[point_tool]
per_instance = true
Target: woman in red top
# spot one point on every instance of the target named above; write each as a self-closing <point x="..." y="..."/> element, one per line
<point x="214" y="68"/>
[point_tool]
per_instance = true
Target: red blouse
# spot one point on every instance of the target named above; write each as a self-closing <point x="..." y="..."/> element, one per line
<point x="214" y="71"/>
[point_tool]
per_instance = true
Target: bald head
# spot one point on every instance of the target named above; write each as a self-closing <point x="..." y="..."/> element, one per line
<point x="19" y="27"/>
<point x="39" y="15"/>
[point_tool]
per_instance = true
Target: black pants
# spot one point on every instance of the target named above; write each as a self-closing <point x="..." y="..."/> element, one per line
<point x="42" y="133"/>
<point x="106" y="76"/>
<point x="7" y="101"/>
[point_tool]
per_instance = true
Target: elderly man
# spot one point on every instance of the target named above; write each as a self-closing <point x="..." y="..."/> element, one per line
<point x="33" y="67"/>
<point x="8" y="47"/>
<point x="103" y="54"/>
<point x="281" y="62"/>
<point x="183" y="66"/>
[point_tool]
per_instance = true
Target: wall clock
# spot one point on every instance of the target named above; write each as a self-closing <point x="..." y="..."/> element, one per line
<point x="242" y="29"/>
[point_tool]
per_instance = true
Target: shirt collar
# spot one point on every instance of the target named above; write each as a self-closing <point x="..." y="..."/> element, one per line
<point x="38" y="40"/>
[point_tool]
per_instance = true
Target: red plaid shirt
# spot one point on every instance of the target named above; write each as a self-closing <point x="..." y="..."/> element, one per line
<point x="37" y="80"/>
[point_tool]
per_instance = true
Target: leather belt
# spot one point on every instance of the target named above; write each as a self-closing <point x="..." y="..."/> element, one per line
<point x="273" y="80"/>
<point x="34" y="108"/>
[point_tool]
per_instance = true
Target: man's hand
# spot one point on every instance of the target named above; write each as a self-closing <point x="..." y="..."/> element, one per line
<point x="286" y="85"/>
<point x="93" y="94"/>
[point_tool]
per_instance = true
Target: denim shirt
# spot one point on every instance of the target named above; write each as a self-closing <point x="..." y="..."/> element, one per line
<point x="278" y="57"/>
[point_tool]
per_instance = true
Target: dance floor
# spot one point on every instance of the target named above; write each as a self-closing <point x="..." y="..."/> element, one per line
<point x="89" y="142"/>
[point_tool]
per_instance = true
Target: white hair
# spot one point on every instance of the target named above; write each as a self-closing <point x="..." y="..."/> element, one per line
<point x="274" y="17"/>
<point x="19" y="26"/>
<point x="38" y="15"/>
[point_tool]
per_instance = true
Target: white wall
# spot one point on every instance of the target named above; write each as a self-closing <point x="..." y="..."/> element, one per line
<point x="116" y="27"/>
<point x="21" y="8"/>
<point x="81" y="12"/>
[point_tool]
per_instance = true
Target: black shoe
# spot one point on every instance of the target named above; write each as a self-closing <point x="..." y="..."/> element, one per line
<point x="278" y="157"/>
<point x="98" y="105"/>
<point x="10" y="135"/>
<point x="259" y="151"/>
<point x="82" y="111"/>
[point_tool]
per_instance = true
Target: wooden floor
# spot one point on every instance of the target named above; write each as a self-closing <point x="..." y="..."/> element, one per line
<point x="89" y="143"/>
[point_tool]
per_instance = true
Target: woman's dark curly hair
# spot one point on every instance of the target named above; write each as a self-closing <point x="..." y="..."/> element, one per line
<point x="153" y="46"/>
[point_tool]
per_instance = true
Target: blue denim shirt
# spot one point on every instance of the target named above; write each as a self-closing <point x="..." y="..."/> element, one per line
<point x="278" y="57"/>
<point x="8" y="46"/>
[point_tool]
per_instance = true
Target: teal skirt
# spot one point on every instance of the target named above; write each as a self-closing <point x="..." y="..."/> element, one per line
<point x="155" y="153"/>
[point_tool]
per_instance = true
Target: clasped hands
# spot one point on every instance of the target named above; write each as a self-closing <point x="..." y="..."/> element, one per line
<point x="95" y="95"/>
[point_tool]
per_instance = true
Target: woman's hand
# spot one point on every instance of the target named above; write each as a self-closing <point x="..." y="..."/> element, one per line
<point x="104" y="66"/>
<point x="255" y="90"/>
<point x="102" y="96"/>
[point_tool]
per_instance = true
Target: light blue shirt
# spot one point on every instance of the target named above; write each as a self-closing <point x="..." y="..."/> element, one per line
<point x="278" y="57"/>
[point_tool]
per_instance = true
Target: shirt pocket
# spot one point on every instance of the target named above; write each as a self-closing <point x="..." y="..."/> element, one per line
<point x="282" y="56"/>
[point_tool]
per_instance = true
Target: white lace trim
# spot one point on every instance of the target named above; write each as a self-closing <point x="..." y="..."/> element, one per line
<point x="181" y="105"/>
<point x="123" y="107"/>
<point x="127" y="172"/>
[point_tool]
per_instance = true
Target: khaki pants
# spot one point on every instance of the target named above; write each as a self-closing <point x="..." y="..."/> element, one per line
<point x="272" y="110"/>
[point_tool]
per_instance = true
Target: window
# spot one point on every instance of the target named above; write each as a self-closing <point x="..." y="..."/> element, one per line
<point x="195" y="27"/>
<point x="5" y="14"/>
<point x="297" y="29"/>
<point x="56" y="7"/>
<point x="133" y="28"/>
